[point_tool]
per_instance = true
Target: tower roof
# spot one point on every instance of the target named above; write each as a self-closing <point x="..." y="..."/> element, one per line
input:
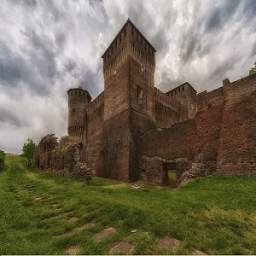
<point x="120" y="31"/>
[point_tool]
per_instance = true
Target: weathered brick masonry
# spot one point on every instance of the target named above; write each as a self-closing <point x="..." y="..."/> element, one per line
<point x="133" y="130"/>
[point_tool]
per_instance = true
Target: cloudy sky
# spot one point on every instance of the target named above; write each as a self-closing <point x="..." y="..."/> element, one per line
<point x="48" y="46"/>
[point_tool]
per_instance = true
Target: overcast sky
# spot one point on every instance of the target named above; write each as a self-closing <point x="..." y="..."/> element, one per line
<point x="48" y="46"/>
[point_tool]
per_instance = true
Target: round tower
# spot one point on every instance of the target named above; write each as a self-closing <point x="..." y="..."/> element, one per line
<point x="77" y="102"/>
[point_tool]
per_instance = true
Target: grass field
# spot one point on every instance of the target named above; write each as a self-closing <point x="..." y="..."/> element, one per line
<point x="44" y="214"/>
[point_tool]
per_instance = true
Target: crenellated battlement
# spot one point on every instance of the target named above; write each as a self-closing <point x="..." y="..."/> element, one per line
<point x="165" y="99"/>
<point x="78" y="99"/>
<point x="129" y="42"/>
<point x="95" y="104"/>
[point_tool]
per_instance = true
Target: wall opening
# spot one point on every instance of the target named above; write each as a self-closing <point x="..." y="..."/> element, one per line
<point x="170" y="174"/>
<point x="139" y="96"/>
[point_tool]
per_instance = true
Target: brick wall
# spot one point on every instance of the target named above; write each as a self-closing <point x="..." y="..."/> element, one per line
<point x="195" y="139"/>
<point x="116" y="133"/>
<point x="116" y="146"/>
<point x="221" y="137"/>
<point x="93" y="141"/>
<point x="237" y="146"/>
<point x="168" y="143"/>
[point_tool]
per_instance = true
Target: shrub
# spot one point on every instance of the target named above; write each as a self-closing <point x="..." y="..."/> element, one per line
<point x="2" y="157"/>
<point x="28" y="151"/>
<point x="253" y="70"/>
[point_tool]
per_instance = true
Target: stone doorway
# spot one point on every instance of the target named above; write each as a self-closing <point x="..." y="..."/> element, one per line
<point x="170" y="174"/>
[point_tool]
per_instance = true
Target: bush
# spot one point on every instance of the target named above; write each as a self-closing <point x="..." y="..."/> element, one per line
<point x="28" y="151"/>
<point x="2" y="157"/>
<point x="253" y="70"/>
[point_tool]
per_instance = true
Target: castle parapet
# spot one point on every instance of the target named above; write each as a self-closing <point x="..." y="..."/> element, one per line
<point x="95" y="104"/>
<point x="165" y="99"/>
<point x="78" y="100"/>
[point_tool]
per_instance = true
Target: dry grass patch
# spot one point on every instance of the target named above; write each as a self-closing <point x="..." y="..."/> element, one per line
<point x="31" y="174"/>
<point x="75" y="230"/>
<point x="73" y="219"/>
<point x="56" y="206"/>
<point x="197" y="252"/>
<point x="38" y="199"/>
<point x="168" y="243"/>
<point x="67" y="233"/>
<point x="105" y="233"/>
<point x="117" y="186"/>
<point x="72" y="250"/>
<point x="122" y="247"/>
<point x="85" y="226"/>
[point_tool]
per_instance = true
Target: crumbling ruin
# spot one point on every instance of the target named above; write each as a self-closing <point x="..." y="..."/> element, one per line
<point x="61" y="157"/>
<point x="133" y="130"/>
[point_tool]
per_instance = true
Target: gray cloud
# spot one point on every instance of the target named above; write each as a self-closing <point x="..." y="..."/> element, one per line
<point x="188" y="46"/>
<point x="221" y="14"/>
<point x="47" y="47"/>
<point x="222" y="69"/>
<point x="12" y="66"/>
<point x="249" y="9"/>
<point x="15" y="69"/>
<point x="27" y="3"/>
<point x="253" y="52"/>
<point x="6" y="116"/>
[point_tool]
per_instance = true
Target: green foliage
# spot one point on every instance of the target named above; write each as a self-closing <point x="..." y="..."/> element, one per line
<point x="216" y="215"/>
<point x="253" y="70"/>
<point x="64" y="139"/>
<point x="2" y="158"/>
<point x="28" y="151"/>
<point x="64" y="144"/>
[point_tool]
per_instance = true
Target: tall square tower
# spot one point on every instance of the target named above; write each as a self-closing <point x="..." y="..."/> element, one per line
<point x="128" y="66"/>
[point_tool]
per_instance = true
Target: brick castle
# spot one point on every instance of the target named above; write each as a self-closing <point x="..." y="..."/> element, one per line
<point x="132" y="130"/>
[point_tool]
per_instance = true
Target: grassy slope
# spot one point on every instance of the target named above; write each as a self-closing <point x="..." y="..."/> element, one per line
<point x="215" y="214"/>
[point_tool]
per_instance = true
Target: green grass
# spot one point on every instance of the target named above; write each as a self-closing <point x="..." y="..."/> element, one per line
<point x="216" y="215"/>
<point x="172" y="175"/>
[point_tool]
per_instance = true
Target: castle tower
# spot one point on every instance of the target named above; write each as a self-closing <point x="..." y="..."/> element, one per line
<point x="77" y="102"/>
<point x="128" y="66"/>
